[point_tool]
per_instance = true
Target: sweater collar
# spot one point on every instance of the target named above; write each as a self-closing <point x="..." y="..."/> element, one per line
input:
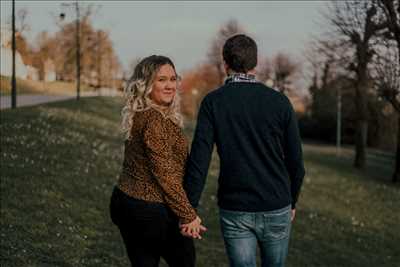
<point x="241" y="77"/>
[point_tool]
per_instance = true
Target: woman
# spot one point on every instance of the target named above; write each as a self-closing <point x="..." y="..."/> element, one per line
<point x="149" y="202"/>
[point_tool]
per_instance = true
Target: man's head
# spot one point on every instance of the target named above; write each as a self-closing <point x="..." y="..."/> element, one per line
<point x="240" y="53"/>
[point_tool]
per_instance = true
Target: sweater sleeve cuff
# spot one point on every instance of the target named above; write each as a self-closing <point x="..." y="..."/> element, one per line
<point x="188" y="219"/>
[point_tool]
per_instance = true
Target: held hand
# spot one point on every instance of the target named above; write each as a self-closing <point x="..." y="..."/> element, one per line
<point x="193" y="229"/>
<point x="193" y="233"/>
<point x="293" y="215"/>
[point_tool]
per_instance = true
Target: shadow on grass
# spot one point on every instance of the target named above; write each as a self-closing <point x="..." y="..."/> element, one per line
<point x="321" y="238"/>
<point x="379" y="167"/>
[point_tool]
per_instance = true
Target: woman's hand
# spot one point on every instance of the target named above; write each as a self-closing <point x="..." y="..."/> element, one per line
<point x="193" y="229"/>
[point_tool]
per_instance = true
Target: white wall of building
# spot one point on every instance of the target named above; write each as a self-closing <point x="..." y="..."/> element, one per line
<point x="21" y="71"/>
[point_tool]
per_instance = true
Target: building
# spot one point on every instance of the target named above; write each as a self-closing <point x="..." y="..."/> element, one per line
<point x="21" y="70"/>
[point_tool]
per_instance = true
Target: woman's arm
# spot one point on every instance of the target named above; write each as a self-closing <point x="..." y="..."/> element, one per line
<point x="167" y="172"/>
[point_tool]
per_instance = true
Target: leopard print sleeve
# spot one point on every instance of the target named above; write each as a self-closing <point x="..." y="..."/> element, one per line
<point x="167" y="172"/>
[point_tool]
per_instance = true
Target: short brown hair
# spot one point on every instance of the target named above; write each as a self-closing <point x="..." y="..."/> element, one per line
<point x="240" y="53"/>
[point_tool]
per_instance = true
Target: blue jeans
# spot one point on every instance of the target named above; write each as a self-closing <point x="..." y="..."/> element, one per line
<point x="242" y="231"/>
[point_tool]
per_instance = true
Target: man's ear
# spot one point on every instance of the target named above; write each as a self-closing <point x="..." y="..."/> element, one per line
<point x="226" y="68"/>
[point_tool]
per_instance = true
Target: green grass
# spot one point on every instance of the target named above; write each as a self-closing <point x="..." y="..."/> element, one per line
<point x="40" y="87"/>
<point x="58" y="165"/>
<point x="59" y="162"/>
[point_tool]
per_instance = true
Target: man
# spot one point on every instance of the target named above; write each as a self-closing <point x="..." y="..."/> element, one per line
<point x="261" y="169"/>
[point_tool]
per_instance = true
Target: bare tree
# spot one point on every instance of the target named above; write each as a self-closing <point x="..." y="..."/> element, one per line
<point x="387" y="83"/>
<point x="265" y="70"/>
<point x="21" y="27"/>
<point x="284" y="69"/>
<point x="22" y="14"/>
<point x="391" y="17"/>
<point x="355" y="22"/>
<point x="21" y="18"/>
<point x="313" y="64"/>
<point x="326" y="58"/>
<point x="227" y="30"/>
<point x="387" y="66"/>
<point x="281" y="70"/>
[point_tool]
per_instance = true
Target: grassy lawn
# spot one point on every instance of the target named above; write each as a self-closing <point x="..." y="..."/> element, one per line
<point x="40" y="87"/>
<point x="59" y="162"/>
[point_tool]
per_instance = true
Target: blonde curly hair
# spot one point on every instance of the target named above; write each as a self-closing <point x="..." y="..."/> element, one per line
<point x="137" y="94"/>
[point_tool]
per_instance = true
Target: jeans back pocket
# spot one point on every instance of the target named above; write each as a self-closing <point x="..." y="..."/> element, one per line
<point x="277" y="226"/>
<point x="235" y="224"/>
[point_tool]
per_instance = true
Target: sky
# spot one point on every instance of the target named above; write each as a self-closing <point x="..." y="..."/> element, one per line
<point x="184" y="30"/>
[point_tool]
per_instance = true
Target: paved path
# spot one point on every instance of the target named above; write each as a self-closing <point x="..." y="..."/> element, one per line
<point x="31" y="100"/>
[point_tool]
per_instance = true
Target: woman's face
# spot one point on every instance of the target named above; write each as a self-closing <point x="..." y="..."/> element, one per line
<point x="164" y="86"/>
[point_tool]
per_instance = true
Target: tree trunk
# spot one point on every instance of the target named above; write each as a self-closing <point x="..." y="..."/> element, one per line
<point x="362" y="124"/>
<point x="361" y="144"/>
<point x="396" y="174"/>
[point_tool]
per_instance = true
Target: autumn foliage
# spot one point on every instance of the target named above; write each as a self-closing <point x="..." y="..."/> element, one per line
<point x="195" y="85"/>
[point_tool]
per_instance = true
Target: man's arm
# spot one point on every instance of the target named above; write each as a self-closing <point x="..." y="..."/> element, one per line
<point x="293" y="154"/>
<point x="200" y="154"/>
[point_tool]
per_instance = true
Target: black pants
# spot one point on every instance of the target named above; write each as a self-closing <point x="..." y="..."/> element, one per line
<point x="150" y="231"/>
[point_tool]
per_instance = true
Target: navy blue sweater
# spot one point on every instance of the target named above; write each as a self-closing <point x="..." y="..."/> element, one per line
<point x="255" y="131"/>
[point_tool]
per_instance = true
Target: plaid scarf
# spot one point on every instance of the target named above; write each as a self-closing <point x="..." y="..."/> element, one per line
<point x="241" y="77"/>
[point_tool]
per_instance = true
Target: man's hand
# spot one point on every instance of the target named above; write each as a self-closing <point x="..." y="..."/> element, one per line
<point x="293" y="215"/>
<point x="193" y="229"/>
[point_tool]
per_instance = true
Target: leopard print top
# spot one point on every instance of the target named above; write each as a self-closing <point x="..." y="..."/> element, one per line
<point x="154" y="163"/>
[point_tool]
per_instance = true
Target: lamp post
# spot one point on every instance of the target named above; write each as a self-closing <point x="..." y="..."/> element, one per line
<point x="78" y="48"/>
<point x="14" y="47"/>
<point x="339" y="122"/>
<point x="78" y="53"/>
